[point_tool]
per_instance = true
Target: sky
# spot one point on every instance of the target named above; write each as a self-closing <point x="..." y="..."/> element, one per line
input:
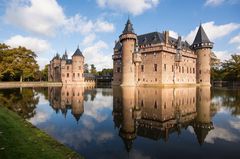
<point x="52" y="26"/>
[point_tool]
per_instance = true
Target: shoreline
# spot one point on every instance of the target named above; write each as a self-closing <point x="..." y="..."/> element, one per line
<point x="37" y="84"/>
<point x="20" y="139"/>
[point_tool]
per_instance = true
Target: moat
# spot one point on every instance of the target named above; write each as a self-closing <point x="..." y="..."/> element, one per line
<point x="128" y="122"/>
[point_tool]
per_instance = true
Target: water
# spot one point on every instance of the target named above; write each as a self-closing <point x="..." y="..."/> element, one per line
<point x="142" y="123"/>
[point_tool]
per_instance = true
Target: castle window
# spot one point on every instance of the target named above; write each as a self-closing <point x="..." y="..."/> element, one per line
<point x="142" y="68"/>
<point x="190" y="70"/>
<point x="73" y="74"/>
<point x="79" y="67"/>
<point x="179" y="69"/>
<point x="155" y="67"/>
<point x="67" y="67"/>
<point x="67" y="74"/>
<point x="187" y="69"/>
<point x="78" y="74"/>
<point x="193" y="70"/>
<point x="200" y="72"/>
<point x="155" y="79"/>
<point x="172" y="68"/>
<point x="155" y="105"/>
<point x="165" y="67"/>
<point x="182" y="69"/>
<point x="118" y="69"/>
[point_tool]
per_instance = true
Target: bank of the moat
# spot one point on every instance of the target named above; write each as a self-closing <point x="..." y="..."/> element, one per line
<point x="20" y="139"/>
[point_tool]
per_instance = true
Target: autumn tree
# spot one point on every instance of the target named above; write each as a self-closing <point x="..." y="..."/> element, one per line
<point x="17" y="63"/>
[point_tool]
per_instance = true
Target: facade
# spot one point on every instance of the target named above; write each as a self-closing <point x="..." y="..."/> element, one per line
<point x="69" y="98"/>
<point x="156" y="58"/>
<point x="155" y="113"/>
<point x="68" y="71"/>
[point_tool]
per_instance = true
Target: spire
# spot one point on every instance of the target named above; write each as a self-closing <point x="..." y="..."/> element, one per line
<point x="179" y="41"/>
<point x="128" y="27"/>
<point x="65" y="55"/>
<point x="78" y="52"/>
<point x="201" y="40"/>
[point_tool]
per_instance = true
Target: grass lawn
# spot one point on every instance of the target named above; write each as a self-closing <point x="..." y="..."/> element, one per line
<point x="21" y="140"/>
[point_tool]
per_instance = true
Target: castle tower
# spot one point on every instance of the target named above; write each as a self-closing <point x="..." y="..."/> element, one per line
<point x="77" y="102"/>
<point x="128" y="40"/>
<point x="77" y="66"/>
<point x="128" y="129"/>
<point x="202" y="46"/>
<point x="202" y="123"/>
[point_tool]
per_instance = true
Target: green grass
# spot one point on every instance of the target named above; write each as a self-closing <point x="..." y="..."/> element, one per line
<point x="21" y="140"/>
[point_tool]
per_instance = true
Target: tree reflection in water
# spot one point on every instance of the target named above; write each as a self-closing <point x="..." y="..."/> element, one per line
<point x="153" y="113"/>
<point x="21" y="100"/>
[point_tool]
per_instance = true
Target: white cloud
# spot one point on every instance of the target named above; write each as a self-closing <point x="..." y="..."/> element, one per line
<point x="35" y="44"/>
<point x="88" y="40"/>
<point x="218" y="133"/>
<point x="236" y="40"/>
<point x="46" y="17"/>
<point x="173" y="34"/>
<point x="221" y="133"/>
<point x="43" y="111"/>
<point x="213" y="2"/>
<point x="84" y="26"/>
<point x="94" y="54"/>
<point x="223" y="55"/>
<point x="213" y="31"/>
<point x="135" y="7"/>
<point x="235" y="125"/>
<point x="42" y="62"/>
<point x="39" y="16"/>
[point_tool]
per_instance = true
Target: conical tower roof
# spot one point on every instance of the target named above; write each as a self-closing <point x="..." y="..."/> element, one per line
<point x="128" y="27"/>
<point x="201" y="40"/>
<point x="201" y="36"/>
<point x="78" y="53"/>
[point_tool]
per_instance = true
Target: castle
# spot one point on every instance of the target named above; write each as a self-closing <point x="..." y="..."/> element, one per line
<point x="159" y="59"/>
<point x="156" y="113"/>
<point x="68" y="71"/>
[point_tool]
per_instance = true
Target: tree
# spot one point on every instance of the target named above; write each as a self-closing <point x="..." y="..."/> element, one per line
<point x="85" y="67"/>
<point x="44" y="73"/>
<point x="231" y="68"/>
<point x="93" y="69"/>
<point x="17" y="63"/>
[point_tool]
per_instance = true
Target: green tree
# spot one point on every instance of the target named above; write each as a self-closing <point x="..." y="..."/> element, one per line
<point x="231" y="68"/>
<point x="86" y="70"/>
<point x="93" y="69"/>
<point x="44" y="73"/>
<point x="17" y="63"/>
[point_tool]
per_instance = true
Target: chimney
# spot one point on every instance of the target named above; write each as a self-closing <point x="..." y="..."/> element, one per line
<point x="166" y="37"/>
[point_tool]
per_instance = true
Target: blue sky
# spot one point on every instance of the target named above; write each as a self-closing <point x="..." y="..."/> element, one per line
<point x="50" y="26"/>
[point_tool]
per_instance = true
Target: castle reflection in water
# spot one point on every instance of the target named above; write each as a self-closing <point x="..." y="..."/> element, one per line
<point x="152" y="113"/>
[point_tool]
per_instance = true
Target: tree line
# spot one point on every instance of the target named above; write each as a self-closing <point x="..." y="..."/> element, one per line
<point x="228" y="70"/>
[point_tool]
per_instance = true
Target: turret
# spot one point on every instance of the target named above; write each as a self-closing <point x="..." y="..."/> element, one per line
<point x="178" y="56"/>
<point x="128" y="128"/>
<point x="77" y="64"/>
<point x="128" y="39"/>
<point x="202" y="123"/>
<point x="202" y="46"/>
